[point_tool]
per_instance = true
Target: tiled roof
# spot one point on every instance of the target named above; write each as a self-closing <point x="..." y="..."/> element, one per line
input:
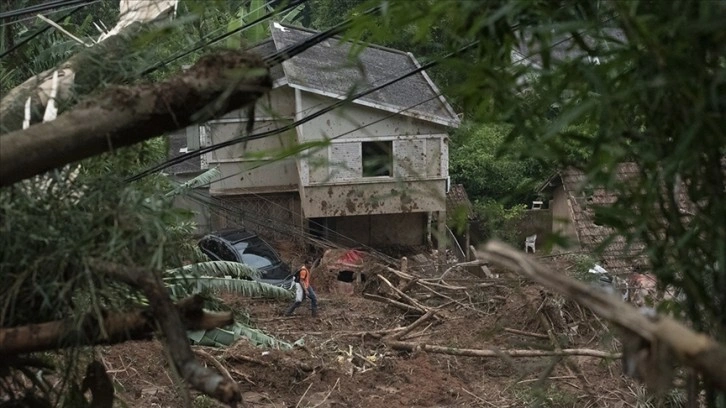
<point x="617" y="256"/>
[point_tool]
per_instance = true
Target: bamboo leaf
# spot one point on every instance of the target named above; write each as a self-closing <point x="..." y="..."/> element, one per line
<point x="201" y="180"/>
<point x="248" y="288"/>
<point x="214" y="268"/>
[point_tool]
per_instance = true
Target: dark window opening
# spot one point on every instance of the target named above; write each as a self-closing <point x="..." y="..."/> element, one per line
<point x="349" y="276"/>
<point x="377" y="159"/>
<point x="227" y="254"/>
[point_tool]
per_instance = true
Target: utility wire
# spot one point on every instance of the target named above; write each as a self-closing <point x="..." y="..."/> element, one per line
<point x="274" y="224"/>
<point x="220" y="37"/>
<point x="41" y="31"/>
<point x="296" y="123"/>
<point x="43" y="7"/>
<point x="350" y="98"/>
<point x="48" y="13"/>
<point x="335" y="233"/>
<point x="386" y="117"/>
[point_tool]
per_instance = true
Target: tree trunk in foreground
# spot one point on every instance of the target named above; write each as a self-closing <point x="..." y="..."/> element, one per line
<point x="123" y="116"/>
<point x="692" y="349"/>
<point x="113" y="328"/>
<point x="132" y="17"/>
<point x="166" y="315"/>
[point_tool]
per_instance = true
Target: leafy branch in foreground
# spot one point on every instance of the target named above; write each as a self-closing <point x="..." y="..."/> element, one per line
<point x="223" y="276"/>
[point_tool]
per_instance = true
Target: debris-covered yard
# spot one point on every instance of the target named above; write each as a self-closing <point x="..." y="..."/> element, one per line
<point x="405" y="338"/>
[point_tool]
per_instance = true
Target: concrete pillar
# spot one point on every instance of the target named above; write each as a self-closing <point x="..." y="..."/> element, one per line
<point x="442" y="236"/>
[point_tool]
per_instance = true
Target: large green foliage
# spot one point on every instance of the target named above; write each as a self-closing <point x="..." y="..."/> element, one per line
<point x="53" y="226"/>
<point x="654" y="97"/>
<point x="478" y="160"/>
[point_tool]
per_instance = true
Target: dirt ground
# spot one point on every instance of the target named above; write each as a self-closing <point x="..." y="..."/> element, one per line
<point x="340" y="366"/>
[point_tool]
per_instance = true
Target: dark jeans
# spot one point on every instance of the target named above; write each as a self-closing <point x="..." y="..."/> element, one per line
<point x="313" y="303"/>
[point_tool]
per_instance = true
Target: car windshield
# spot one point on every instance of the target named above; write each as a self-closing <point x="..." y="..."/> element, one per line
<point x="256" y="254"/>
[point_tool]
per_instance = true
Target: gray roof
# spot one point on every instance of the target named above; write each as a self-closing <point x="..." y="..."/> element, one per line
<point x="328" y="69"/>
<point x="265" y="48"/>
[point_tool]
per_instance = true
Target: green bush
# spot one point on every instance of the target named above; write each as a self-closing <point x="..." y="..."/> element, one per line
<point x="494" y="220"/>
<point x="481" y="160"/>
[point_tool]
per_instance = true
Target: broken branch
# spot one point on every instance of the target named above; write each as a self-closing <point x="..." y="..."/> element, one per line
<point x="393" y="302"/>
<point x="526" y="333"/>
<point x="692" y="349"/>
<point x="486" y="353"/>
<point x="459" y="265"/>
<point x="409" y="299"/>
<point x="111" y="329"/>
<point x="123" y="116"/>
<point x="412" y="326"/>
<point x="198" y="376"/>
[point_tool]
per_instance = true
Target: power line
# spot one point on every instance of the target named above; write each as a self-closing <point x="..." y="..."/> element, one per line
<point x="189" y="155"/>
<point x="43" y="7"/>
<point x="220" y="37"/>
<point x="215" y="204"/>
<point x="42" y="30"/>
<point x="388" y="116"/>
<point x="296" y="123"/>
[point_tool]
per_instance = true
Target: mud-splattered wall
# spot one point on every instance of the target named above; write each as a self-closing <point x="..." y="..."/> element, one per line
<point x="332" y="177"/>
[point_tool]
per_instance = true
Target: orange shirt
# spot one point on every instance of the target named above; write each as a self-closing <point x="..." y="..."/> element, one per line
<point x="305" y="277"/>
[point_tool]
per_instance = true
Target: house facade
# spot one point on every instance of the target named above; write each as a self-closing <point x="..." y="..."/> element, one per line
<point x="373" y="172"/>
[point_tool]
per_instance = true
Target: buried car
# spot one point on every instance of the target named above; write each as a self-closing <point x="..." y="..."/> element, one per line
<point x="247" y="248"/>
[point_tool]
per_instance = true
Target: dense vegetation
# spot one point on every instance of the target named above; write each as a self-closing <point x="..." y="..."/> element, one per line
<point x="655" y="95"/>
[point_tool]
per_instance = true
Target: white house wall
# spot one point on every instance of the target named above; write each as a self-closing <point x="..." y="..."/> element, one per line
<point x="252" y="165"/>
<point x="349" y="121"/>
<point x="331" y="176"/>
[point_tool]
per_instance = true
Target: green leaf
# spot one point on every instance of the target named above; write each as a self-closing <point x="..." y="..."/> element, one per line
<point x="226" y="337"/>
<point x="214" y="268"/>
<point x="201" y="180"/>
<point x="243" y="287"/>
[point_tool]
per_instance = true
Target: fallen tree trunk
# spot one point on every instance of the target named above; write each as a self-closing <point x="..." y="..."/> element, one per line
<point x="111" y="49"/>
<point x="487" y="353"/>
<point x="692" y="349"/>
<point x="170" y="322"/>
<point x="113" y="328"/>
<point x="123" y="116"/>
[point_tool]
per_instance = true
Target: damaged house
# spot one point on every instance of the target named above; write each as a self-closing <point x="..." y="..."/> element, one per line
<point x="573" y="204"/>
<point x="374" y="171"/>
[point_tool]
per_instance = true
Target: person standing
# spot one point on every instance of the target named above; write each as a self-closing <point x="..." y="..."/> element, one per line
<point x="303" y="289"/>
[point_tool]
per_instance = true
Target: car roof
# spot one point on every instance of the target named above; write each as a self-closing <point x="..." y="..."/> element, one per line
<point x="234" y="235"/>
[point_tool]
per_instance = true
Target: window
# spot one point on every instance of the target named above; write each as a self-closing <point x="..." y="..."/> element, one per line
<point x="377" y="159"/>
<point x="257" y="255"/>
<point x="226" y="254"/>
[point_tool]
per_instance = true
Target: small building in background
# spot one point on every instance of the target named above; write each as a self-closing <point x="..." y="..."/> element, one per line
<point x="573" y="205"/>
